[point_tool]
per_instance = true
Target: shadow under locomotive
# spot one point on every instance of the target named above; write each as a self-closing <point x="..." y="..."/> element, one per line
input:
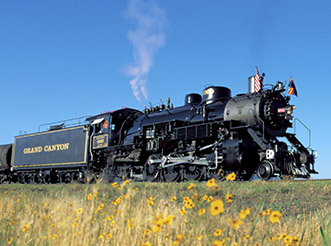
<point x="209" y="137"/>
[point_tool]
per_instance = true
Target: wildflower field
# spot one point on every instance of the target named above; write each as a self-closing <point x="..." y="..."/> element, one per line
<point x="189" y="213"/>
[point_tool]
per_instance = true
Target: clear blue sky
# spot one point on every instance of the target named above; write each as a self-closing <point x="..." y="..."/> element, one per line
<point x="65" y="59"/>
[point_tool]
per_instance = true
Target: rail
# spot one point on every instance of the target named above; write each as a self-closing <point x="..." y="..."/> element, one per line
<point x="309" y="132"/>
<point x="63" y="123"/>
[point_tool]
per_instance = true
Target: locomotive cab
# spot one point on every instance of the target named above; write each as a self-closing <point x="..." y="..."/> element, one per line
<point x="109" y="128"/>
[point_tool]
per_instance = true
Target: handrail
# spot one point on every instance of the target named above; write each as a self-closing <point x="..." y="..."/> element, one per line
<point x="259" y="119"/>
<point x="309" y="132"/>
<point x="70" y="122"/>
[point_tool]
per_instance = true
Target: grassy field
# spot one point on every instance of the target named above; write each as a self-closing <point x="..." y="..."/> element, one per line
<point x="226" y="213"/>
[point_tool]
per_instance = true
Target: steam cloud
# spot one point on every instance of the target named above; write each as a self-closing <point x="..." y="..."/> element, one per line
<point x="146" y="39"/>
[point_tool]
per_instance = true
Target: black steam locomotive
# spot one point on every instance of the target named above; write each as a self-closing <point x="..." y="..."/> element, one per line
<point x="209" y="137"/>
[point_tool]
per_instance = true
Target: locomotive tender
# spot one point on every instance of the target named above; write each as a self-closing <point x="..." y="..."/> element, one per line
<point x="209" y="137"/>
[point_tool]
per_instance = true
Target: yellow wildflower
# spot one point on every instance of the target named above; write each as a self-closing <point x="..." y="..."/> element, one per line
<point x="231" y="177"/>
<point x="182" y="211"/>
<point x="101" y="206"/>
<point x="296" y="240"/>
<point x="228" y="198"/>
<point x="271" y="239"/>
<point x="25" y="228"/>
<point x="158" y="225"/>
<point x="210" y="198"/>
<point x="79" y="211"/>
<point x="174" y="198"/>
<point x="130" y="225"/>
<point x="126" y="182"/>
<point x="150" y="203"/>
<point x="109" y="236"/>
<point x="288" y="239"/>
<point x="191" y="185"/>
<point x="216" y="207"/>
<point x="147" y="232"/>
<point x="202" y="211"/>
<point x="218" y="243"/>
<point x="115" y="184"/>
<point x="266" y="212"/>
<point x="235" y="223"/>
<point x="168" y="220"/>
<point x="217" y="232"/>
<point x="89" y="196"/>
<point x="205" y="197"/>
<point x="199" y="237"/>
<point x="102" y="235"/>
<point x="246" y="237"/>
<point x="275" y="216"/>
<point x="179" y="239"/>
<point x="146" y="244"/>
<point x="10" y="241"/>
<point x="96" y="193"/>
<point x="110" y="217"/>
<point x="243" y="213"/>
<point x="210" y="182"/>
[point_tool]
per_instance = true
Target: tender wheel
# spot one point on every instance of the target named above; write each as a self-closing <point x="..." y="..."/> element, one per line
<point x="265" y="170"/>
<point x="151" y="168"/>
<point x="193" y="172"/>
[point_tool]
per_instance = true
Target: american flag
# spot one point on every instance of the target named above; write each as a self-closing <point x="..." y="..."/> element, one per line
<point x="257" y="81"/>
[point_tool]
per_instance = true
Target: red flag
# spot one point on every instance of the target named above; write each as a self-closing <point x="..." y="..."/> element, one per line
<point x="292" y="90"/>
<point x="257" y="81"/>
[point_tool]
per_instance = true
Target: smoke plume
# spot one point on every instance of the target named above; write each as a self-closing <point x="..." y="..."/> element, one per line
<point x="146" y="39"/>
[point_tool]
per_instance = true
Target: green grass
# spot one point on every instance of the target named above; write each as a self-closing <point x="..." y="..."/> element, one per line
<point x="49" y="214"/>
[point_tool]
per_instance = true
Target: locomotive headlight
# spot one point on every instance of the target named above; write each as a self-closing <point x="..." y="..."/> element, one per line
<point x="289" y="110"/>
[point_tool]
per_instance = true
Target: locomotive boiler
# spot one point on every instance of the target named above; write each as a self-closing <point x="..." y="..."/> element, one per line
<point x="210" y="136"/>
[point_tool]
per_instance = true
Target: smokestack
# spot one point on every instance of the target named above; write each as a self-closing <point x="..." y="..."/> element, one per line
<point x="251" y="84"/>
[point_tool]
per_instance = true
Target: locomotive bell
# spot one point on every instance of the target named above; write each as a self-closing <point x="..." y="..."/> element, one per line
<point x="216" y="93"/>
